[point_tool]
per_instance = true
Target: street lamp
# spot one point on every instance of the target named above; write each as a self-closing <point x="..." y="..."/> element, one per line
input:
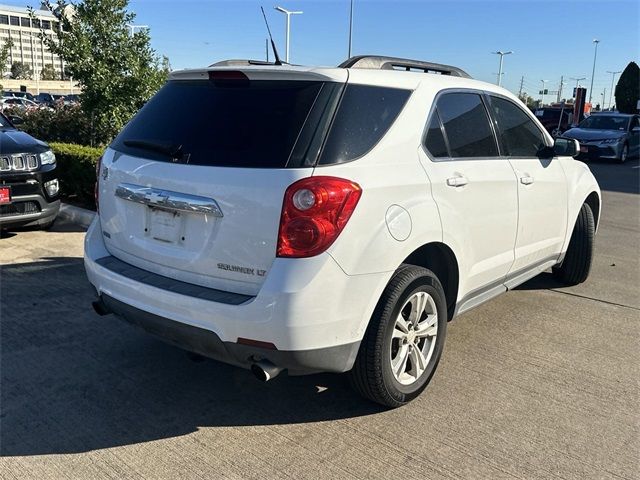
<point x="578" y="80"/>
<point x="613" y="76"/>
<point x="288" y="13"/>
<point x="593" y="72"/>
<point x="542" y="95"/>
<point x="502" y="54"/>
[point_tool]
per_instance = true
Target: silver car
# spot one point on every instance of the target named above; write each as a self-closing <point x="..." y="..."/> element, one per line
<point x="608" y="135"/>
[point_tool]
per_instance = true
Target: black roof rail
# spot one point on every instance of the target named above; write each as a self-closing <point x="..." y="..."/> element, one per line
<point x="241" y="63"/>
<point x="392" y="63"/>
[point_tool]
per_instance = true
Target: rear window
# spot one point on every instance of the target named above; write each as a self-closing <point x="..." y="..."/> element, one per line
<point x="363" y="117"/>
<point x="245" y="125"/>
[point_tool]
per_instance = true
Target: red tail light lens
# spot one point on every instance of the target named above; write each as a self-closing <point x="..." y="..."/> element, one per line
<point x="314" y="212"/>
<point x="96" y="187"/>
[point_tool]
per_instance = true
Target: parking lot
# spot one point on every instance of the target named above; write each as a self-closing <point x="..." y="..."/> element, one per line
<point x="541" y="382"/>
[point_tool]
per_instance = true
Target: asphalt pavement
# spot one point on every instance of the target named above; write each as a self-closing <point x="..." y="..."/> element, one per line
<point x="542" y="382"/>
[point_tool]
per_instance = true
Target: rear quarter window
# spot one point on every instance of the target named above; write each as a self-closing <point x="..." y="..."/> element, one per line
<point x="364" y="116"/>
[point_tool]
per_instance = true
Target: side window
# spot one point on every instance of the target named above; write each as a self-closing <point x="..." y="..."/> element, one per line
<point x="520" y="136"/>
<point x="434" y="141"/>
<point x="466" y="125"/>
<point x="634" y="123"/>
<point x="363" y="117"/>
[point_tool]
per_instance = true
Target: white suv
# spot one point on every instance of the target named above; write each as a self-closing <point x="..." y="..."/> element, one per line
<point x="331" y="219"/>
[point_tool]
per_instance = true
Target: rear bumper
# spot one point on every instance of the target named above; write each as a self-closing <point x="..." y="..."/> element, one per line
<point x="205" y="342"/>
<point x="309" y="309"/>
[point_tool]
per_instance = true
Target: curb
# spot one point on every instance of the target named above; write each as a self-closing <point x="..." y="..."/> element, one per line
<point x="77" y="215"/>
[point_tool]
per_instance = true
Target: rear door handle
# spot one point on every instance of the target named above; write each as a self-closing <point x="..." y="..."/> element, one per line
<point x="526" y="180"/>
<point x="457" y="181"/>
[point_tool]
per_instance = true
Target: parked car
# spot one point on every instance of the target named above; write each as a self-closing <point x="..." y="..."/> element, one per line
<point x="331" y="219"/>
<point x="608" y="135"/>
<point x="29" y="188"/>
<point x="45" y="99"/>
<point x="17" y="103"/>
<point x="25" y="95"/>
<point x="550" y="118"/>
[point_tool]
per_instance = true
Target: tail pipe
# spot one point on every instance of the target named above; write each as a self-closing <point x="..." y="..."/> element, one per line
<point x="264" y="370"/>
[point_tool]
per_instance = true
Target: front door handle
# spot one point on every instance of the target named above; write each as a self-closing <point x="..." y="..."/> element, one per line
<point x="457" y="181"/>
<point x="526" y="180"/>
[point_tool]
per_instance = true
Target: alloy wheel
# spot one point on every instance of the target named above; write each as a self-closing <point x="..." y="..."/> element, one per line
<point x="414" y="338"/>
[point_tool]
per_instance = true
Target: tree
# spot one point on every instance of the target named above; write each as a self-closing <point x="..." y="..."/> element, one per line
<point x="117" y="72"/>
<point x="527" y="100"/>
<point x="5" y="51"/>
<point x="48" y="73"/>
<point x="628" y="89"/>
<point x="21" y="71"/>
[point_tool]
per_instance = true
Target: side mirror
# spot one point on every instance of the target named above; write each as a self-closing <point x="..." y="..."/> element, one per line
<point x="566" y="147"/>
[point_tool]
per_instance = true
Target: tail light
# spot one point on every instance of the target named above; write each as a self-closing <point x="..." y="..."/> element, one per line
<point x="96" y="187"/>
<point x="314" y="212"/>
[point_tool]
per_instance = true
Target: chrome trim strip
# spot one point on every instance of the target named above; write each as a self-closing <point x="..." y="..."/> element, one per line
<point x="155" y="197"/>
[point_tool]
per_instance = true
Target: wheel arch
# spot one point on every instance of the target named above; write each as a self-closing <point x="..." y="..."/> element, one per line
<point x="594" y="202"/>
<point x="440" y="259"/>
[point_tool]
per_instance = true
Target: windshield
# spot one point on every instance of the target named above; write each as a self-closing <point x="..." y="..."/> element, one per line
<point x="605" y="122"/>
<point x="4" y="123"/>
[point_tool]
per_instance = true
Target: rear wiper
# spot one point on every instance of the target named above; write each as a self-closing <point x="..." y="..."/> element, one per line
<point x="166" y="148"/>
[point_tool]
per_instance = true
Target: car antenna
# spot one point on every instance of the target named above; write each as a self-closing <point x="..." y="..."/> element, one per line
<point x="273" y="45"/>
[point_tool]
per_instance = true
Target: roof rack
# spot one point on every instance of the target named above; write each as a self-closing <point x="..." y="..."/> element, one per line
<point x="241" y="63"/>
<point x="393" y="63"/>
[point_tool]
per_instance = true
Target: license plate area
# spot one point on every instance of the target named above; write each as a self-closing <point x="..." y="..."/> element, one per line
<point x="165" y="226"/>
<point x="5" y="195"/>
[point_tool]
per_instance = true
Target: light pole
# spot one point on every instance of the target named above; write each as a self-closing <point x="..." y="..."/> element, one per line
<point x="578" y="80"/>
<point x="288" y="13"/>
<point x="542" y="95"/>
<point x="350" y="28"/>
<point x="593" y="72"/>
<point x="613" y="76"/>
<point x="502" y="54"/>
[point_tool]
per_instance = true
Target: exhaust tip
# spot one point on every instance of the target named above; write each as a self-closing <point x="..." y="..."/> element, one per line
<point x="100" y="308"/>
<point x="264" y="370"/>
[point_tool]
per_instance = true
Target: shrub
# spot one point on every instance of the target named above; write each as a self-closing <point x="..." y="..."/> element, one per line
<point x="65" y="123"/>
<point x="77" y="172"/>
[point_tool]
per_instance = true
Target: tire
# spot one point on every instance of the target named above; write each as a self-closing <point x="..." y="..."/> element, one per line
<point x="372" y="375"/>
<point x="624" y="154"/>
<point x="577" y="261"/>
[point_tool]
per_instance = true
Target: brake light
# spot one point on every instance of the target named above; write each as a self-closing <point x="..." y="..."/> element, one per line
<point x="314" y="212"/>
<point x="96" y="187"/>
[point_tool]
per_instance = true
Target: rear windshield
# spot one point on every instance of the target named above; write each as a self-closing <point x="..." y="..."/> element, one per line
<point x="247" y="125"/>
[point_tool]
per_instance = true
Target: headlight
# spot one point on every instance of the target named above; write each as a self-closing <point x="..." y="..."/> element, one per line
<point x="610" y="140"/>
<point x="47" y="158"/>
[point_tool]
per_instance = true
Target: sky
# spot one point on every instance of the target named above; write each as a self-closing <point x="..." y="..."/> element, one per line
<point x="549" y="38"/>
